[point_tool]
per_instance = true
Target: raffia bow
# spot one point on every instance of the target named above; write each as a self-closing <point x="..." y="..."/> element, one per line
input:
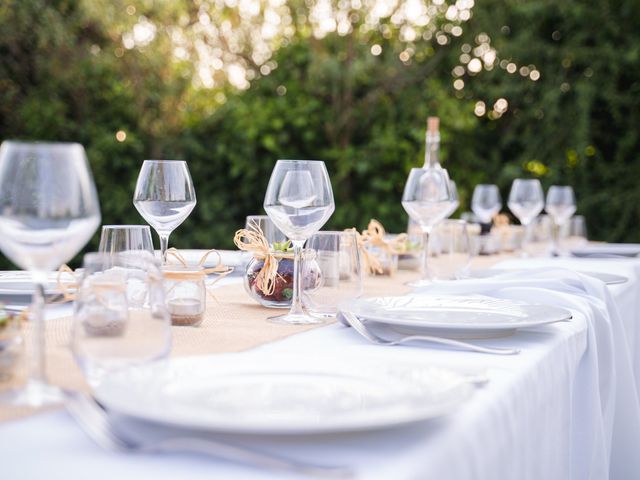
<point x="374" y="236"/>
<point x="252" y="240"/>
<point x="371" y="262"/>
<point x="196" y="274"/>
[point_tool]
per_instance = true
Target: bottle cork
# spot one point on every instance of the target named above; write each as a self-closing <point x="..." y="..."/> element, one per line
<point x="433" y="124"/>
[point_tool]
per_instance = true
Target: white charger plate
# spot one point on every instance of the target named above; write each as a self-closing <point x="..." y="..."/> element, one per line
<point x="283" y="394"/>
<point x="605" y="250"/>
<point x="607" y="278"/>
<point x="454" y="316"/>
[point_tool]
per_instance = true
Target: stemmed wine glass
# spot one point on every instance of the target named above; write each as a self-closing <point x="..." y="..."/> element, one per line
<point x="427" y="200"/>
<point x="299" y="200"/>
<point x="164" y="196"/>
<point x="526" y="201"/>
<point x="49" y="210"/>
<point x="486" y="202"/>
<point x="561" y="205"/>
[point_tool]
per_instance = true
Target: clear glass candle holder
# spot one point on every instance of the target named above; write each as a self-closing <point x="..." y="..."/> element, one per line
<point x="186" y="294"/>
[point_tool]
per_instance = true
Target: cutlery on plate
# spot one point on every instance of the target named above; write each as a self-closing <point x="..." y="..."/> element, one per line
<point x="353" y="321"/>
<point x="97" y="424"/>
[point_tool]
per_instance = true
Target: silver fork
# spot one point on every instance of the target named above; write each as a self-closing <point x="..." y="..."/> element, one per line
<point x="363" y="330"/>
<point x="97" y="424"/>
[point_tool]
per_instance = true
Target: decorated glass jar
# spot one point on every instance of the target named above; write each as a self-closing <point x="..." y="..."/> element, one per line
<point x="278" y="292"/>
<point x="186" y="294"/>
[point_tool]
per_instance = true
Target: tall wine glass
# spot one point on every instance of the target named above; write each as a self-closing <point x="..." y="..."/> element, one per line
<point x="49" y="210"/>
<point x="164" y="197"/>
<point x="561" y="205"/>
<point x="427" y="200"/>
<point x="526" y="201"/>
<point x="299" y="200"/>
<point x="486" y="202"/>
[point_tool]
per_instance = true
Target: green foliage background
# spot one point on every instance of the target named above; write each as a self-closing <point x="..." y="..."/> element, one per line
<point x="331" y="99"/>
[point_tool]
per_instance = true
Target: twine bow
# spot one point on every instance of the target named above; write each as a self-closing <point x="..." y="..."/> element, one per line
<point x="196" y="274"/>
<point x="371" y="262"/>
<point x="374" y="236"/>
<point x="252" y="240"/>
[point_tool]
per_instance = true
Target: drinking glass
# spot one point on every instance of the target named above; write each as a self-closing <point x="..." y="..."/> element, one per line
<point x="526" y="201"/>
<point x="120" y="316"/>
<point x="269" y="229"/>
<point x="453" y="256"/>
<point x="125" y="238"/>
<point x="574" y="232"/>
<point x="337" y="257"/>
<point x="49" y="210"/>
<point x="455" y="199"/>
<point x="427" y="200"/>
<point x="561" y="205"/>
<point x="486" y="202"/>
<point x="164" y="196"/>
<point x="299" y="200"/>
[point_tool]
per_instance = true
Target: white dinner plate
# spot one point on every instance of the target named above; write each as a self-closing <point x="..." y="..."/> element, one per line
<point x="230" y="258"/>
<point x="607" y="278"/>
<point x="454" y="316"/>
<point x="18" y="283"/>
<point x="605" y="250"/>
<point x="283" y="394"/>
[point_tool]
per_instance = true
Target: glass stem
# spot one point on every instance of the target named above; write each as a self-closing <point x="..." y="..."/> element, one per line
<point x="164" y="245"/>
<point x="426" y="273"/>
<point x="296" y="301"/>
<point x="525" y="238"/>
<point x="38" y="363"/>
<point x="555" y="239"/>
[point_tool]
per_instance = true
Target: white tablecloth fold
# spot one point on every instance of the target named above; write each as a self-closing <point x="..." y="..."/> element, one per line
<point x="605" y="389"/>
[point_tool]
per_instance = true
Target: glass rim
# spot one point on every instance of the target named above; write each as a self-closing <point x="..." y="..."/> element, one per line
<point x="39" y="142"/>
<point x="285" y="160"/>
<point x="164" y="161"/>
<point x="122" y="227"/>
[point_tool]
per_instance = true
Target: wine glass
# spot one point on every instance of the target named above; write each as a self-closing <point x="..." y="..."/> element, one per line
<point x="164" y="197"/>
<point x="526" y="201"/>
<point x="427" y="200"/>
<point x="125" y="238"/>
<point x="561" y="205"/>
<point x="299" y="200"/>
<point x="49" y="210"/>
<point x="486" y="202"/>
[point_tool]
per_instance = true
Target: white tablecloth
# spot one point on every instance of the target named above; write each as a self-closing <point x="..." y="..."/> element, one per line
<point x="565" y="408"/>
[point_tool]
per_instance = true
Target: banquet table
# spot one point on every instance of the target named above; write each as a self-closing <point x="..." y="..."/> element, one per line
<point x="566" y="407"/>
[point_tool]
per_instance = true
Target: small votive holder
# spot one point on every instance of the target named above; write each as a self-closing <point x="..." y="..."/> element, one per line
<point x="12" y="365"/>
<point x="387" y="258"/>
<point x="186" y="294"/>
<point x="102" y="305"/>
